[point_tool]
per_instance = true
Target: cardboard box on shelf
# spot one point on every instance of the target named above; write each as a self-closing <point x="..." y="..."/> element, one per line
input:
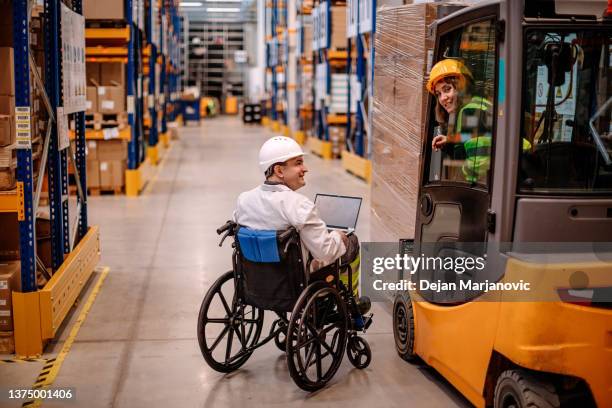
<point x="112" y="73"/>
<point x="8" y="157"/>
<point x="307" y="40"/>
<point x="7" y="71"/>
<point x="7" y="130"/>
<point x="92" y="73"/>
<point x="338" y="27"/>
<point x="7" y="105"/>
<point x="109" y="150"/>
<point x="103" y="10"/>
<point x="111" y="99"/>
<point x="10" y="280"/>
<point x="7" y="179"/>
<point x="92" y="99"/>
<point x="92" y="149"/>
<point x="112" y="173"/>
<point x="93" y="173"/>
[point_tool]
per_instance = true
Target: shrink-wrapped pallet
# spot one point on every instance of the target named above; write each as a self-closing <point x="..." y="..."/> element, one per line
<point x="403" y="50"/>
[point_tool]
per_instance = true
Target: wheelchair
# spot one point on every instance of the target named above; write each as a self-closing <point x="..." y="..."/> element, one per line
<point x="316" y="321"/>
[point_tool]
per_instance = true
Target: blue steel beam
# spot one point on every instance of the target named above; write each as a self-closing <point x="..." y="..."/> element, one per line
<point x="81" y="158"/>
<point x="152" y="65"/>
<point x="361" y="78"/>
<point x="349" y="67"/>
<point x="27" y="239"/>
<point x="133" y="145"/>
<point x="55" y="161"/>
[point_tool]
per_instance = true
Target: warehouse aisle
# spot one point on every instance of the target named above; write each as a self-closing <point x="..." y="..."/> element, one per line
<point x="138" y="345"/>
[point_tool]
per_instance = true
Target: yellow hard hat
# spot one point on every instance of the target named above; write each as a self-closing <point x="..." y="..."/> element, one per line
<point x="448" y="68"/>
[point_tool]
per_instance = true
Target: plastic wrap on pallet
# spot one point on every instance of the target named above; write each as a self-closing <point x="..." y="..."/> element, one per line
<point x="399" y="108"/>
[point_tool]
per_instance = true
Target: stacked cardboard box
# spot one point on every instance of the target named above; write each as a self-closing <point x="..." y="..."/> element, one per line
<point x="106" y="89"/>
<point x="38" y="111"/>
<point x="106" y="164"/>
<point x="399" y="113"/>
<point x="103" y="10"/>
<point x="338" y="28"/>
<point x="10" y="280"/>
<point x="307" y="41"/>
<point x="8" y="161"/>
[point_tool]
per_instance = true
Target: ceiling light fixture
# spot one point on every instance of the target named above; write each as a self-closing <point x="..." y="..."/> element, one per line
<point x="223" y="1"/>
<point x="223" y="9"/>
<point x="191" y="4"/>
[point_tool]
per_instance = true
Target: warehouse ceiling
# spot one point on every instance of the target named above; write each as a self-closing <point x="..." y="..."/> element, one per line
<point x="220" y="10"/>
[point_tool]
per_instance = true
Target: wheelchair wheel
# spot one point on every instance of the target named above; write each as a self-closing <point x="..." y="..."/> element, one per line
<point x="317" y="335"/>
<point x="358" y="352"/>
<point x="227" y="328"/>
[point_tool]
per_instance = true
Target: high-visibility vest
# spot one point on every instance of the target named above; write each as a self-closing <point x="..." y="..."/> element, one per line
<point x="478" y="149"/>
<point x="476" y="103"/>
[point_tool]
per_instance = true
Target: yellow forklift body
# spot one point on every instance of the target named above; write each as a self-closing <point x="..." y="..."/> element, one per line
<point x="548" y="336"/>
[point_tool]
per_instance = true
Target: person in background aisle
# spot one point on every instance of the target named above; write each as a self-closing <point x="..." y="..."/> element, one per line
<point x="276" y="205"/>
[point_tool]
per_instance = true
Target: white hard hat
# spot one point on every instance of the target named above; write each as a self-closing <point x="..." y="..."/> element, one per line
<point x="278" y="149"/>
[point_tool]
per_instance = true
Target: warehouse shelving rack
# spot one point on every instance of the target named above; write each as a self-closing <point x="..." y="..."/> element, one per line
<point x="209" y="71"/>
<point x="305" y="65"/>
<point x="277" y="11"/>
<point x="355" y="158"/>
<point x="38" y="313"/>
<point x="124" y="44"/>
<point x="332" y="60"/>
<point x="154" y="35"/>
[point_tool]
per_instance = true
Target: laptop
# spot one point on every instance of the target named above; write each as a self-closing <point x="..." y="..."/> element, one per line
<point x="339" y="212"/>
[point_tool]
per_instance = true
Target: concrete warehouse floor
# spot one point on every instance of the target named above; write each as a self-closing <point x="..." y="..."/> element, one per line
<point x="138" y="347"/>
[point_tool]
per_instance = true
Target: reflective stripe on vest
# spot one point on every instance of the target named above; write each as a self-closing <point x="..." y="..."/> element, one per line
<point x="478" y="158"/>
<point x="476" y="103"/>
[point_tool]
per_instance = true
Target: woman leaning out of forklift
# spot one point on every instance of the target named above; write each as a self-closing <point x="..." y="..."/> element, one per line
<point x="465" y="120"/>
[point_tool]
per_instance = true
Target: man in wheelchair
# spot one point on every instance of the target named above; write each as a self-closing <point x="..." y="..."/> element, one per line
<point x="276" y="230"/>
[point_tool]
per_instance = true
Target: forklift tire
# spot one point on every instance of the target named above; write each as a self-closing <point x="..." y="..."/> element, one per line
<point x="521" y="389"/>
<point x="403" y="328"/>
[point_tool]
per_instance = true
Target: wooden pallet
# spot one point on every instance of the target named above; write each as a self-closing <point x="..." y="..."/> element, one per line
<point x="99" y="121"/>
<point x="98" y="191"/>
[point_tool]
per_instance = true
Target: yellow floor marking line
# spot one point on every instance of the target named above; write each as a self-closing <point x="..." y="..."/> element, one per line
<point x="149" y="185"/>
<point x="51" y="369"/>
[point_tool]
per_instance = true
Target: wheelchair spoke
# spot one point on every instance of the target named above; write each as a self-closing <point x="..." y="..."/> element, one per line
<point x="218" y="320"/>
<point x="228" y="350"/>
<point x="306" y="343"/>
<point x="225" y="305"/>
<point x="318" y="360"/>
<point x="218" y="340"/>
<point x="309" y="354"/>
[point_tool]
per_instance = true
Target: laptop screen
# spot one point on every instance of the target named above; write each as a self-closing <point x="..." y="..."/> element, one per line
<point x="338" y="211"/>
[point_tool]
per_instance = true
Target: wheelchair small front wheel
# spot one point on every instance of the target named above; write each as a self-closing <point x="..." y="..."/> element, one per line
<point x="281" y="336"/>
<point x="227" y="328"/>
<point x="358" y="352"/>
<point x="317" y="335"/>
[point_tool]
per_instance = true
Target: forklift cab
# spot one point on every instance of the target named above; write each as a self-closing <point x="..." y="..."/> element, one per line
<point x="531" y="163"/>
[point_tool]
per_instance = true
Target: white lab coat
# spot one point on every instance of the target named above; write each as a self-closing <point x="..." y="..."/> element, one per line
<point x="277" y="207"/>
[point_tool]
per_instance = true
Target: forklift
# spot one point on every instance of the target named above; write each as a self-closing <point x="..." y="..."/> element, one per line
<point x="540" y="208"/>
